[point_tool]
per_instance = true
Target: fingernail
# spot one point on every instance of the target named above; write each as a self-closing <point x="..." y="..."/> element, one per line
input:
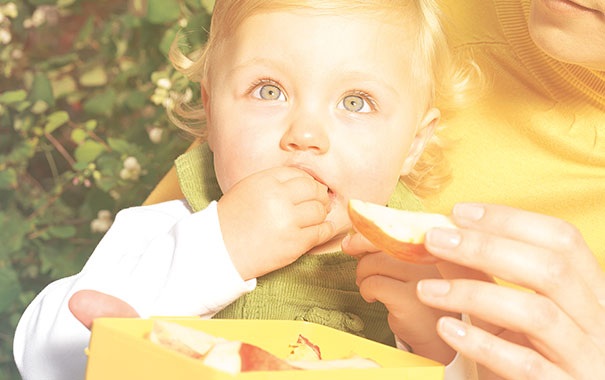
<point x="443" y="238"/>
<point x="470" y="211"/>
<point x="345" y="241"/>
<point x="434" y="288"/>
<point x="453" y="328"/>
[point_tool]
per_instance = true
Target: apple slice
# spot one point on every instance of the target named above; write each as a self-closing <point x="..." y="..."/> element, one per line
<point x="303" y="349"/>
<point x="397" y="232"/>
<point x="188" y="341"/>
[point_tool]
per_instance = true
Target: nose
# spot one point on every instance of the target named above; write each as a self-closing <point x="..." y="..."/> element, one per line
<point x="306" y="133"/>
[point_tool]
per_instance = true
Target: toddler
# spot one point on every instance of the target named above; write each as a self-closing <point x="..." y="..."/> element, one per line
<point x="307" y="104"/>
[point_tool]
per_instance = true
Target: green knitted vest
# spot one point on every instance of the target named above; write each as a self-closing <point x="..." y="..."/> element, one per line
<point x="315" y="288"/>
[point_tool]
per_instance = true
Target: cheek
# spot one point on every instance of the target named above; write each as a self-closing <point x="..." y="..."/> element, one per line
<point x="373" y="175"/>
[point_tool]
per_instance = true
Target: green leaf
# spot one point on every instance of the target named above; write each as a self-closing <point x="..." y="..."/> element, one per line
<point x="64" y="86"/>
<point x="10" y="97"/>
<point x="90" y="125"/>
<point x="163" y="11"/>
<point x="95" y="77"/>
<point x="62" y="232"/>
<point x="13" y="231"/>
<point x="55" y="120"/>
<point x="8" y="178"/>
<point x="60" y="261"/>
<point x="166" y="41"/>
<point x="88" y="151"/>
<point x="43" y="2"/>
<point x="101" y="104"/>
<point x="135" y="100"/>
<point x="24" y="150"/>
<point x="42" y="90"/>
<point x="120" y="146"/>
<point x="78" y="135"/>
<point x="85" y="33"/>
<point x="208" y="5"/>
<point x="9" y="287"/>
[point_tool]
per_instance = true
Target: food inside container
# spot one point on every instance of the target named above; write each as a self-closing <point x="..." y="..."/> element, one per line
<point x="123" y="348"/>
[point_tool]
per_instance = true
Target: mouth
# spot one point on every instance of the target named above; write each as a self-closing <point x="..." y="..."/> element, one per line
<point x="316" y="177"/>
<point x="570" y="6"/>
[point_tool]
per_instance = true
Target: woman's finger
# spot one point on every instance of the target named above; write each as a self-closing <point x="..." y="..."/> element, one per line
<point x="504" y="358"/>
<point x="537" y="268"/>
<point x="534" y="229"/>
<point x="551" y="331"/>
<point x="87" y="305"/>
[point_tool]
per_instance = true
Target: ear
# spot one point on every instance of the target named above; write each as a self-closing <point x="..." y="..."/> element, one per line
<point x="425" y="131"/>
<point x="206" y="103"/>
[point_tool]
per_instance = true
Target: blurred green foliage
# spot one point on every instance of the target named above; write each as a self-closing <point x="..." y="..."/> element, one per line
<point x="83" y="130"/>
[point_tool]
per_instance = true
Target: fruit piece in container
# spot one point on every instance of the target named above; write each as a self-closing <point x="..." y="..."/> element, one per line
<point x="303" y="349"/>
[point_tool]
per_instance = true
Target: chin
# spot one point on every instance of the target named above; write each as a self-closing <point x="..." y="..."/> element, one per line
<point x="565" y="40"/>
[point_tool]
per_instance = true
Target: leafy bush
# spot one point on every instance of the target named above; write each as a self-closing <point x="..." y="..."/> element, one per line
<point x="83" y="130"/>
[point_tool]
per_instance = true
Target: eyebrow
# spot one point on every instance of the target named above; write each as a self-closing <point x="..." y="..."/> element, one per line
<point x="257" y="62"/>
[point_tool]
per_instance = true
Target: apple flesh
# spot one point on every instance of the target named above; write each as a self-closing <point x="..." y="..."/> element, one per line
<point x="399" y="233"/>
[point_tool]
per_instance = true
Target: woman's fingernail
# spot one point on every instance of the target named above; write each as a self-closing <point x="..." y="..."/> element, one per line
<point x="434" y="288"/>
<point x="470" y="211"/>
<point x="443" y="238"/>
<point x="453" y="328"/>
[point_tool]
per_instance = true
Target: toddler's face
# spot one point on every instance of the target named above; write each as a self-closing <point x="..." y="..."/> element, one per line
<point x="330" y="95"/>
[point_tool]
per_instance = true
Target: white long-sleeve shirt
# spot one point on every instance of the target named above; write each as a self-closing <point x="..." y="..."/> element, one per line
<point x="160" y="259"/>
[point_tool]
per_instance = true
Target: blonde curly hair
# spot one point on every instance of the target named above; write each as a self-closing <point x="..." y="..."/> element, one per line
<point x="451" y="81"/>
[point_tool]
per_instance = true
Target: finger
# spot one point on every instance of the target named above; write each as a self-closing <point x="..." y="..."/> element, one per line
<point x="535" y="229"/>
<point x="537" y="268"/>
<point x="357" y="244"/>
<point x="319" y="233"/>
<point x="302" y="189"/>
<point x="87" y="305"/>
<point x="388" y="266"/>
<point x="310" y="213"/>
<point x="403" y="305"/>
<point x="547" y="326"/>
<point x="502" y="357"/>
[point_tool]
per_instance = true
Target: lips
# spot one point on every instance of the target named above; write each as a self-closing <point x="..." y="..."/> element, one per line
<point x="569" y="7"/>
<point x="310" y="171"/>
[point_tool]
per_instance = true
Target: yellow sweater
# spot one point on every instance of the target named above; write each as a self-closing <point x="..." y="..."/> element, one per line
<point x="537" y="139"/>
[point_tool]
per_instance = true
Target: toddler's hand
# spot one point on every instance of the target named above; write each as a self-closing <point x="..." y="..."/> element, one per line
<point x="272" y="217"/>
<point x="383" y="278"/>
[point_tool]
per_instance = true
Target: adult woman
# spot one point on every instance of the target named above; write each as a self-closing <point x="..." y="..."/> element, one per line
<point x="536" y="142"/>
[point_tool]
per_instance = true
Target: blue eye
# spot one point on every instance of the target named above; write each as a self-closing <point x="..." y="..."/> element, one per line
<point x="269" y="92"/>
<point x="355" y="103"/>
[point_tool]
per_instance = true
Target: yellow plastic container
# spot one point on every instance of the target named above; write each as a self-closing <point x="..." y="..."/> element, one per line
<point x="119" y="350"/>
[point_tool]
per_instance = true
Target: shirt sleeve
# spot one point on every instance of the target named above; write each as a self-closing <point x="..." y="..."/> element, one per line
<point x="161" y="259"/>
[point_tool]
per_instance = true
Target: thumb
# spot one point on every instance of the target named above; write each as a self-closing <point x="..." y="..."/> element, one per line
<point x="87" y="305"/>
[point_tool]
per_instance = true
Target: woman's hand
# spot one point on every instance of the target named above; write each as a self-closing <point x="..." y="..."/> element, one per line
<point x="558" y="332"/>
<point x="272" y="217"/>
<point x="381" y="277"/>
